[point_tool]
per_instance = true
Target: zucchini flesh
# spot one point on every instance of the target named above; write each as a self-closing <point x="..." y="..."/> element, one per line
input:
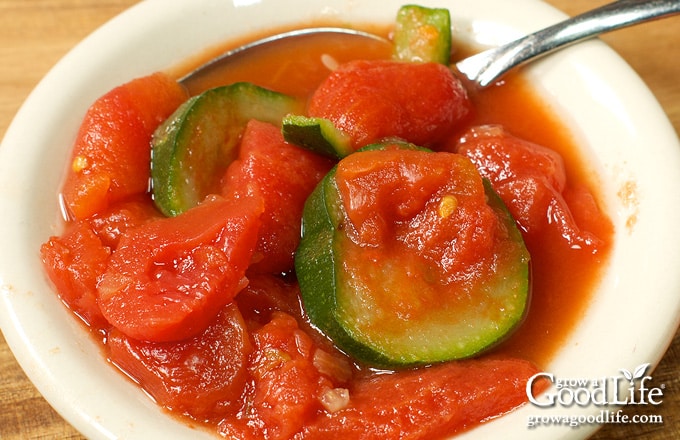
<point x="193" y="147"/>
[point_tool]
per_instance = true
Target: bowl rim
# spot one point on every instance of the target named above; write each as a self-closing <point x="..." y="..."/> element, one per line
<point x="27" y="315"/>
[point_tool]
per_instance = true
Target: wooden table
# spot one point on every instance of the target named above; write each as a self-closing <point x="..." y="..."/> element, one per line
<point x="34" y="34"/>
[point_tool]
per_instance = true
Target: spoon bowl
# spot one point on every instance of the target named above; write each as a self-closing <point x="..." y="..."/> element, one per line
<point x="232" y="55"/>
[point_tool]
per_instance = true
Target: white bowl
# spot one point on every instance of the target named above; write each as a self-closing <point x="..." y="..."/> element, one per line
<point x="633" y="314"/>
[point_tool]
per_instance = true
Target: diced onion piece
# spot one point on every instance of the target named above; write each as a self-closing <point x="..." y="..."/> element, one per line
<point x="335" y="399"/>
<point x="331" y="63"/>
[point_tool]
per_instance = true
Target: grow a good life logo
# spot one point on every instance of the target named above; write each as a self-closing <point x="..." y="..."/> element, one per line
<point x="631" y="387"/>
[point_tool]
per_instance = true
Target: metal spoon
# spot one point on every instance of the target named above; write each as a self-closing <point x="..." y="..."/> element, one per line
<point x="486" y="67"/>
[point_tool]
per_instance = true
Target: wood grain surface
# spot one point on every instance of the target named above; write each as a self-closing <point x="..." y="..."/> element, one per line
<point x="35" y="34"/>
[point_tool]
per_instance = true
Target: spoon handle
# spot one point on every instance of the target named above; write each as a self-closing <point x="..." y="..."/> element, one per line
<point x="485" y="67"/>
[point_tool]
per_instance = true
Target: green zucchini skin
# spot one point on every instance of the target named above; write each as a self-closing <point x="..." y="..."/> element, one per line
<point x="194" y="146"/>
<point x="319" y="135"/>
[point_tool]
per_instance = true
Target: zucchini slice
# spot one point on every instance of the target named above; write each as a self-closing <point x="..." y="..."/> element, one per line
<point x="422" y="35"/>
<point x="193" y="147"/>
<point x="392" y="306"/>
<point x="319" y="135"/>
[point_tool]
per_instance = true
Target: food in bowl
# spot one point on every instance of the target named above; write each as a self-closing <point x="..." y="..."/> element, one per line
<point x="202" y="290"/>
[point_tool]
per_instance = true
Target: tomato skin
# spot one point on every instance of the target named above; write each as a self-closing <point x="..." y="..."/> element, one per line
<point x="169" y="278"/>
<point x="531" y="180"/>
<point x="203" y="376"/>
<point x="371" y="100"/>
<point x="428" y="403"/>
<point x="110" y="158"/>
<point x="284" y="175"/>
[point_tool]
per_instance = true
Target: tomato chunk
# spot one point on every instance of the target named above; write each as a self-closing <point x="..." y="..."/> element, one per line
<point x="203" y="376"/>
<point x="110" y="158"/>
<point x="291" y="379"/>
<point x="73" y="261"/>
<point x="265" y="295"/>
<point x="427" y="403"/>
<point x="500" y="156"/>
<point x="429" y="203"/>
<point x="112" y="223"/>
<point x="371" y="100"/>
<point x="284" y="175"/>
<point x="531" y="180"/>
<point x="169" y="278"/>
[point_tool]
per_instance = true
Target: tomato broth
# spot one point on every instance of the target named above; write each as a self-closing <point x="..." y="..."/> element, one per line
<point x="563" y="278"/>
